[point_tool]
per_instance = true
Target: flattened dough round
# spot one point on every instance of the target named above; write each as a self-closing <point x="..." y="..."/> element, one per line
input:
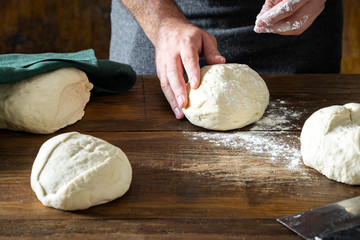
<point x="73" y="171"/>
<point x="330" y="142"/>
<point x="230" y="96"/>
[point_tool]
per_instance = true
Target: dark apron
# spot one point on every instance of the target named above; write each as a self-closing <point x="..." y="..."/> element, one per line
<point x="317" y="50"/>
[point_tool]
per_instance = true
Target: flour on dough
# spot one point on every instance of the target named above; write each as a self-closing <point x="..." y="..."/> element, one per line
<point x="74" y="171"/>
<point x="44" y="103"/>
<point x="230" y="96"/>
<point x="330" y="142"/>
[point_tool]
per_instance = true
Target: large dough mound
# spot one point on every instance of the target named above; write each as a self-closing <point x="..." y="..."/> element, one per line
<point x="74" y="171"/>
<point x="230" y="96"/>
<point x="44" y="103"/>
<point x="330" y="142"/>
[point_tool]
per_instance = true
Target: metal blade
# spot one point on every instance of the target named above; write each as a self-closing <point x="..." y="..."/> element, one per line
<point x="324" y="221"/>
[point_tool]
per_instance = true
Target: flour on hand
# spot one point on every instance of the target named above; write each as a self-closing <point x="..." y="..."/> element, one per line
<point x="282" y="8"/>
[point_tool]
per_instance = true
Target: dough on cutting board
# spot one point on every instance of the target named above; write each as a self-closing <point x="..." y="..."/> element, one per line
<point x="330" y="142"/>
<point x="44" y="103"/>
<point x="230" y="96"/>
<point x="73" y="171"/>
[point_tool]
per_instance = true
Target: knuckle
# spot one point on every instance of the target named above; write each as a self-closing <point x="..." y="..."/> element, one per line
<point x="212" y="38"/>
<point x="165" y="86"/>
<point x="188" y="40"/>
<point x="185" y="40"/>
<point x="191" y="37"/>
<point x="173" y="103"/>
<point x="178" y="90"/>
<point x="188" y="60"/>
<point x="161" y="74"/>
<point x="195" y="31"/>
<point x="212" y="52"/>
<point x="171" y="74"/>
<point x="288" y="9"/>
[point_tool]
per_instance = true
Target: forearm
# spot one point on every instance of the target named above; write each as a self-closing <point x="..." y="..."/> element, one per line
<point x="152" y="15"/>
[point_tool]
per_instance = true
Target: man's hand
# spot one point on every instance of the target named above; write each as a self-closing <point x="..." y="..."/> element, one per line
<point x="180" y="44"/>
<point x="288" y="17"/>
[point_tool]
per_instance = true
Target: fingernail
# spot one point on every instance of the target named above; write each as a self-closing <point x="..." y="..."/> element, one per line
<point x="180" y="100"/>
<point x="262" y="30"/>
<point x="257" y="29"/>
<point x="220" y="58"/>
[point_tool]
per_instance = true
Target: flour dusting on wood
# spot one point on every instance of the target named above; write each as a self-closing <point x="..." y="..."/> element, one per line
<point x="278" y="117"/>
<point x="275" y="147"/>
<point x="259" y="148"/>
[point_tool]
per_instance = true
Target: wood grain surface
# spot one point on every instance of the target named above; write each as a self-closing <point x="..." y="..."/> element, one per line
<point x="351" y="37"/>
<point x="36" y="26"/>
<point x="33" y="26"/>
<point x="188" y="182"/>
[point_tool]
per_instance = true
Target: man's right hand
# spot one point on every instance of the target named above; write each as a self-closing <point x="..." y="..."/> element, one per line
<point x="179" y="46"/>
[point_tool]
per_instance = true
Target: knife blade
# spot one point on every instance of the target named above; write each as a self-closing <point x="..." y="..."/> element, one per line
<point x="339" y="220"/>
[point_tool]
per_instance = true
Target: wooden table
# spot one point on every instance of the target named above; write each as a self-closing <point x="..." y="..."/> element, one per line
<point x="188" y="183"/>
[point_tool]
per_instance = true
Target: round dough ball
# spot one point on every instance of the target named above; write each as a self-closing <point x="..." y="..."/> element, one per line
<point x="45" y="103"/>
<point x="230" y="96"/>
<point x="330" y="142"/>
<point x="73" y="171"/>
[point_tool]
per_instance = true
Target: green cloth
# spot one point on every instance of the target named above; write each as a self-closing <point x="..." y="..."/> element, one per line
<point x="107" y="76"/>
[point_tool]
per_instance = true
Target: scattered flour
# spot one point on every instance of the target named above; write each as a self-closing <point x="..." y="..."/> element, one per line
<point x="278" y="117"/>
<point x="272" y="151"/>
<point x="281" y="147"/>
<point x="276" y="147"/>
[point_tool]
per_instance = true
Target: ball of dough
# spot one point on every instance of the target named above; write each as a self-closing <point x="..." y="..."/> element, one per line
<point x="73" y="171"/>
<point x="44" y="103"/>
<point x="230" y="96"/>
<point x="330" y="142"/>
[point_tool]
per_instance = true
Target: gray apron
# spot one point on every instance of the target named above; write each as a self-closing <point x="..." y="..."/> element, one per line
<point x="317" y="50"/>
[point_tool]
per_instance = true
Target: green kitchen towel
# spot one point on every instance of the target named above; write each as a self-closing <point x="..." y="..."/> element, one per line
<point x="107" y="76"/>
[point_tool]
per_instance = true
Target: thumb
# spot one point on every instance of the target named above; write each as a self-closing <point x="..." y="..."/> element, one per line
<point x="211" y="52"/>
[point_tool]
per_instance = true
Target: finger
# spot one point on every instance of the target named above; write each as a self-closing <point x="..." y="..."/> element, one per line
<point x="177" y="83"/>
<point x="161" y="68"/>
<point x="190" y="60"/>
<point x="210" y="50"/>
<point x="279" y="12"/>
<point x="267" y="6"/>
<point x="166" y="88"/>
<point x="296" y="27"/>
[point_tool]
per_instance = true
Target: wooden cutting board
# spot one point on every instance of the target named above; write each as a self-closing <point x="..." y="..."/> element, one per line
<point x="188" y="182"/>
